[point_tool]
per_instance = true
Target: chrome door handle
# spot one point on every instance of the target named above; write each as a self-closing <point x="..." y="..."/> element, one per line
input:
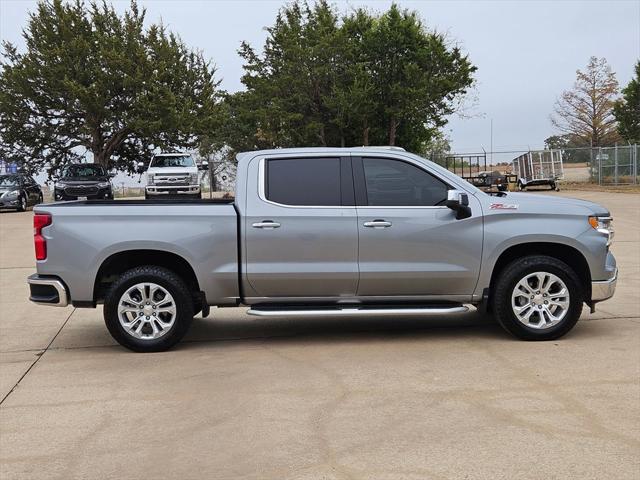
<point x="266" y="224"/>
<point x="377" y="224"/>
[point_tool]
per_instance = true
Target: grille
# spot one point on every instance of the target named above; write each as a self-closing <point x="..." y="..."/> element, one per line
<point x="81" y="191"/>
<point x="177" y="180"/>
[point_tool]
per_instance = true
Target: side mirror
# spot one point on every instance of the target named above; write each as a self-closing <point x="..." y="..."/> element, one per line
<point x="458" y="201"/>
<point x="204" y="165"/>
<point x="141" y="167"/>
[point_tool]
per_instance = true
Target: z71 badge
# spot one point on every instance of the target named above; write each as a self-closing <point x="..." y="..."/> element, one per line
<point x="503" y="206"/>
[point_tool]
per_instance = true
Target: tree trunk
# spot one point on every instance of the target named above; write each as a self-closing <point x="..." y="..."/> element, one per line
<point x="214" y="182"/>
<point x="100" y="158"/>
<point x="365" y="137"/>
<point x="393" y="125"/>
<point x="102" y="150"/>
<point x="323" y="140"/>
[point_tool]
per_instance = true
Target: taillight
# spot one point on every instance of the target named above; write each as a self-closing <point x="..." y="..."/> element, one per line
<point x="40" y="220"/>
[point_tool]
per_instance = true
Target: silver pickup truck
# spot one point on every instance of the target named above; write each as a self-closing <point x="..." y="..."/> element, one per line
<point x="362" y="231"/>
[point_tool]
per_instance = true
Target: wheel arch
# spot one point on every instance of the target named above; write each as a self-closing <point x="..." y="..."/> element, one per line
<point x="119" y="262"/>
<point x="565" y="253"/>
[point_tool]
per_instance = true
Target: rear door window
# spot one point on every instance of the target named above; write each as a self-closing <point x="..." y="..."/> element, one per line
<point x="303" y="181"/>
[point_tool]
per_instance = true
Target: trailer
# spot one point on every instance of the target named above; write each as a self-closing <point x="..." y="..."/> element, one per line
<point x="539" y="168"/>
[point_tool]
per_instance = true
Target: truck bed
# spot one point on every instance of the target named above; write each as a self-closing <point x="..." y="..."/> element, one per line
<point x="86" y="234"/>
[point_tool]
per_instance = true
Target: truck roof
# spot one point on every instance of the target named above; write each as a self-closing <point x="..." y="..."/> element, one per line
<point x="363" y="149"/>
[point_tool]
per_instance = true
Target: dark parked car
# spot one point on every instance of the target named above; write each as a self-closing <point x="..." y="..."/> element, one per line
<point x="19" y="191"/>
<point x="83" y="181"/>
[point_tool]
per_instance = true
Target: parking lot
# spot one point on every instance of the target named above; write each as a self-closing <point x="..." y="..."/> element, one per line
<point x="319" y="398"/>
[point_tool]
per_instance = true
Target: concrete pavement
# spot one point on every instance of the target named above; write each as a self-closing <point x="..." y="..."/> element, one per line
<point x="319" y="398"/>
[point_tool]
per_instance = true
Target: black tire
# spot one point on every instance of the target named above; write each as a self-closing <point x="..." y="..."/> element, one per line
<point x="521" y="187"/>
<point x="166" y="279"/>
<point x="507" y="281"/>
<point x="22" y="203"/>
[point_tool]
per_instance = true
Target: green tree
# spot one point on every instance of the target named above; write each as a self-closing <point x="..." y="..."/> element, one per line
<point x="417" y="75"/>
<point x="93" y="81"/>
<point x="627" y="109"/>
<point x="358" y="80"/>
<point x="439" y="145"/>
<point x="586" y="111"/>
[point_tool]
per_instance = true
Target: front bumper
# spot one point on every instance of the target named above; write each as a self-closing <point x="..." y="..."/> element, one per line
<point x="172" y="190"/>
<point x="9" y="202"/>
<point x="602" y="290"/>
<point x="47" y="291"/>
<point x="100" y="194"/>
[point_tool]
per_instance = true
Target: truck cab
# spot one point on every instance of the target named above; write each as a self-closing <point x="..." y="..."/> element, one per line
<point x="172" y="174"/>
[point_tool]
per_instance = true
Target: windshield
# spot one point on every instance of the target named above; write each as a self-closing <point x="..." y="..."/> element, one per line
<point x="172" y="161"/>
<point x="83" y="170"/>
<point x="9" y="181"/>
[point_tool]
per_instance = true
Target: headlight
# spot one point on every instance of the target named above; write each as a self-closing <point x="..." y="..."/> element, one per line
<point x="12" y="194"/>
<point x="194" y="178"/>
<point x="103" y="185"/>
<point x="150" y="179"/>
<point x="603" y="225"/>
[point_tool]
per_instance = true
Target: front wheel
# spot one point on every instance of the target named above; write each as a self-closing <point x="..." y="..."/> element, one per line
<point x="148" y="309"/>
<point x="538" y="298"/>
<point x="22" y="203"/>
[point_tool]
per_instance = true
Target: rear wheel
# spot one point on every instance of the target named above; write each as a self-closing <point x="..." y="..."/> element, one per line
<point x="148" y="309"/>
<point x="538" y="298"/>
<point x="521" y="186"/>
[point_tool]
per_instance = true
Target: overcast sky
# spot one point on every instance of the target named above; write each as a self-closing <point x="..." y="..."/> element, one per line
<point x="526" y="52"/>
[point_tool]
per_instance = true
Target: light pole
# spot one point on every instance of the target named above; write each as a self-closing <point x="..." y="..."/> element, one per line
<point x="491" y="147"/>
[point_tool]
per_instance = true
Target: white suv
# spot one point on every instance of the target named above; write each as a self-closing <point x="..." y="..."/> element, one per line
<point x="172" y="174"/>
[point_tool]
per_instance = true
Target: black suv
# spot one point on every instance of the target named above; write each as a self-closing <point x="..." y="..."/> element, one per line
<point x="83" y="181"/>
<point x="19" y="191"/>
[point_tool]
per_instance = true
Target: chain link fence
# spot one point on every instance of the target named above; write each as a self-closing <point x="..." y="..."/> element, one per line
<point x="615" y="165"/>
<point x="603" y="165"/>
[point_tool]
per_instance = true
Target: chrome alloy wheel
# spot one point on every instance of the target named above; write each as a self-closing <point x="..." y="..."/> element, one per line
<point x="146" y="311"/>
<point x="540" y="300"/>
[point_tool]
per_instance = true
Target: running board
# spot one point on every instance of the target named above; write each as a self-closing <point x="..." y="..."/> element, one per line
<point x="355" y="311"/>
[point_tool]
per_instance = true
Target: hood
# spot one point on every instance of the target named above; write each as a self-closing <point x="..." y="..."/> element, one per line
<point x="83" y="180"/>
<point x="5" y="189"/>
<point x="532" y="203"/>
<point x="172" y="170"/>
